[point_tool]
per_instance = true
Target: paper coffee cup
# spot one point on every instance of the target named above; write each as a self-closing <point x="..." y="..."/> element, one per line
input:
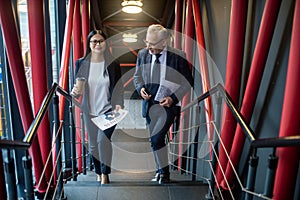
<point x="80" y="81"/>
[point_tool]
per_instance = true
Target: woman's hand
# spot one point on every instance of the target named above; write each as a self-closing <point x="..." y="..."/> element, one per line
<point x="118" y="107"/>
<point x="75" y="91"/>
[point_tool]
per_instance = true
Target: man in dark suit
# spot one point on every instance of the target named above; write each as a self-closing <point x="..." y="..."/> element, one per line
<point x="162" y="78"/>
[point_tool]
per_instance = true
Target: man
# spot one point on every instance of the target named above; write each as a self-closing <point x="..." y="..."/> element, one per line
<point x="162" y="78"/>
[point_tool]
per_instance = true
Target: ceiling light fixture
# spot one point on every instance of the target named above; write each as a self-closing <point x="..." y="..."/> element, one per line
<point x="132" y="7"/>
<point x="129" y="37"/>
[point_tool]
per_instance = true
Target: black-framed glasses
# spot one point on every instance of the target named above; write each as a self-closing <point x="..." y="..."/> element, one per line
<point x="152" y="44"/>
<point x="95" y="42"/>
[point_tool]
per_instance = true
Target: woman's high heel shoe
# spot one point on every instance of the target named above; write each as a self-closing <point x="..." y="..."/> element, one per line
<point x="98" y="178"/>
<point x="104" y="179"/>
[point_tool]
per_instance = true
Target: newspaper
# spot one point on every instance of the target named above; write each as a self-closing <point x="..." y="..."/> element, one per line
<point x="110" y="119"/>
<point x="166" y="88"/>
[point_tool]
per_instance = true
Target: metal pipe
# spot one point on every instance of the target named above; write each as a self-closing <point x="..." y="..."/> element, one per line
<point x="83" y="143"/>
<point x="215" y="143"/>
<point x="77" y="53"/>
<point x="9" y="169"/>
<point x="73" y="144"/>
<point x="270" y="176"/>
<point x="39" y="76"/>
<point x="178" y="24"/>
<point x="59" y="183"/>
<point x="253" y="162"/>
<point x="64" y="73"/>
<point x="233" y="77"/>
<point x="286" y="175"/>
<point x="2" y="180"/>
<point x="27" y="165"/>
<point x="256" y="71"/>
<point x="10" y="35"/>
<point x="203" y="65"/>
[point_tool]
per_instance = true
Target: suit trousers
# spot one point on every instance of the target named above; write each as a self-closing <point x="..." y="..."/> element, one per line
<point x="159" y="121"/>
<point x="100" y="146"/>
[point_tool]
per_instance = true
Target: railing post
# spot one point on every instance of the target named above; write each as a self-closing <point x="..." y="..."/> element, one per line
<point x="27" y="165"/>
<point x="10" y="176"/>
<point x="59" y="191"/>
<point x="82" y="130"/>
<point x="195" y="153"/>
<point x="253" y="162"/>
<point x="173" y="147"/>
<point x="73" y="144"/>
<point x="271" y="172"/>
<point x="210" y="193"/>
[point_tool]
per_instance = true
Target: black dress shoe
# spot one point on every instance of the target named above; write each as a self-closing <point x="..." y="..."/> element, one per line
<point x="156" y="177"/>
<point x="164" y="178"/>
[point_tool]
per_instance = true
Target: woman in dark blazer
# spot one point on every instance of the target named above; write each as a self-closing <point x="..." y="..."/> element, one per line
<point x="103" y="93"/>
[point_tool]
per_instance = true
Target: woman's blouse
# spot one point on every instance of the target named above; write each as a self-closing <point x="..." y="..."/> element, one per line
<point x="98" y="89"/>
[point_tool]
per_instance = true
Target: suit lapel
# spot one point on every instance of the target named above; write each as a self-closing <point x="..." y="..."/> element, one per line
<point x="147" y="67"/>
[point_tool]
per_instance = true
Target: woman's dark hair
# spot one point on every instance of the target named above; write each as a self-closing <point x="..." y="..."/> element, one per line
<point x="107" y="54"/>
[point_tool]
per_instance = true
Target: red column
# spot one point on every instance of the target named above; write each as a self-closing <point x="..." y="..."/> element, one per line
<point x="64" y="71"/>
<point x="14" y="54"/>
<point x="288" y="158"/>
<point x="178" y="24"/>
<point x="85" y="22"/>
<point x="77" y="47"/>
<point x="39" y="76"/>
<point x="233" y="77"/>
<point x="184" y="117"/>
<point x="259" y="59"/>
<point x="203" y="66"/>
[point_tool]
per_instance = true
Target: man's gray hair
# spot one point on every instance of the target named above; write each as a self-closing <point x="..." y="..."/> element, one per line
<point x="162" y="32"/>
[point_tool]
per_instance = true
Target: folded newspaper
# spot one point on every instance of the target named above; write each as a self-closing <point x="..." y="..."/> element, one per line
<point x="109" y="119"/>
<point x="165" y="89"/>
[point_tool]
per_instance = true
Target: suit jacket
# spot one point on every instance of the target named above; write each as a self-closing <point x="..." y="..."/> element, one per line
<point x="115" y="88"/>
<point x="177" y="71"/>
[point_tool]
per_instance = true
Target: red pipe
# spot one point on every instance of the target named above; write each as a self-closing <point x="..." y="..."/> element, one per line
<point x="233" y="77"/>
<point x="39" y="76"/>
<point x="259" y="59"/>
<point x="127" y="65"/>
<point x="203" y="66"/>
<point x="64" y="71"/>
<point x="184" y="117"/>
<point x="85" y="22"/>
<point x="77" y="46"/>
<point x="11" y="38"/>
<point x="288" y="158"/>
<point x="178" y="24"/>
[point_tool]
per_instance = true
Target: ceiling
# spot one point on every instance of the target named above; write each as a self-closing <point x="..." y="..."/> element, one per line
<point x="107" y="15"/>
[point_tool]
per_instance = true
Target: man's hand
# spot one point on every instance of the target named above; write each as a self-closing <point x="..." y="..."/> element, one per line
<point x="166" y="101"/>
<point x="144" y="94"/>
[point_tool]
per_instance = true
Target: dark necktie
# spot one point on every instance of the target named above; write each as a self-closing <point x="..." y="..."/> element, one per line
<point x="156" y="70"/>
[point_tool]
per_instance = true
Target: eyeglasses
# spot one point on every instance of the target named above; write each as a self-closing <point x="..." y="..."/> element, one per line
<point x="95" y="42"/>
<point x="152" y="44"/>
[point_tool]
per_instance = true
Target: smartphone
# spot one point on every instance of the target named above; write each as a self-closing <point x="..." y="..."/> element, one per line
<point x="147" y="92"/>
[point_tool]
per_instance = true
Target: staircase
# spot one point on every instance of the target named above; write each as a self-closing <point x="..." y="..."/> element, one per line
<point x="133" y="168"/>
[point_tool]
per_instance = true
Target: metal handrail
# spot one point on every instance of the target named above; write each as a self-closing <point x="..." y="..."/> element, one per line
<point x="255" y="143"/>
<point x="32" y="131"/>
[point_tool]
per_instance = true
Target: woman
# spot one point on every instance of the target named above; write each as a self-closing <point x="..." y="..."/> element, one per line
<point x="103" y="93"/>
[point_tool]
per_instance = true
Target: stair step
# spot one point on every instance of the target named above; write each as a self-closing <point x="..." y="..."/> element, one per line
<point x="133" y="186"/>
